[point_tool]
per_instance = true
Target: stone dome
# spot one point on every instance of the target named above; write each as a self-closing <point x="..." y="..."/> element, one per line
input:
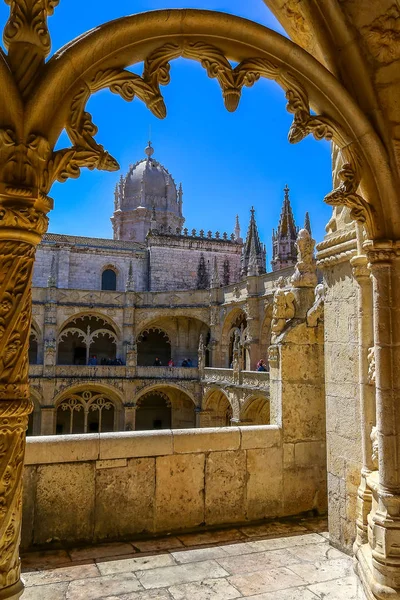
<point x="149" y="184"/>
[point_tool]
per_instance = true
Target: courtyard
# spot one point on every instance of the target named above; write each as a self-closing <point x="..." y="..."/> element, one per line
<point x="285" y="560"/>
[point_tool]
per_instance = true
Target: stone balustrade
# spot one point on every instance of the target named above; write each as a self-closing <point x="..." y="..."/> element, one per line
<point x="87" y="488"/>
<point x="113" y="371"/>
<point x="227" y="377"/>
<point x="167" y="372"/>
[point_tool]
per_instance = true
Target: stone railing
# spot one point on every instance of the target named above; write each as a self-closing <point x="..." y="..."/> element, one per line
<point x="251" y="379"/>
<point x="167" y="372"/>
<point x="162" y="481"/>
<point x="93" y="487"/>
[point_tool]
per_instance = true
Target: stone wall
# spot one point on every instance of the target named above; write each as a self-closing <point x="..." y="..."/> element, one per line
<point x="174" y="261"/>
<point x="343" y="422"/>
<point x="113" y="486"/>
<point x="80" y="268"/>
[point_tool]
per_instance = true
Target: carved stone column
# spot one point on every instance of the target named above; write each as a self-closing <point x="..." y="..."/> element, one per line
<point x="384" y="261"/>
<point x="22" y="223"/>
<point x="366" y="391"/>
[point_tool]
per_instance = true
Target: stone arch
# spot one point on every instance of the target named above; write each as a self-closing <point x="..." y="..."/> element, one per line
<point x="173" y="385"/>
<point x="236" y="320"/>
<point x="255" y="410"/>
<point x="168" y="34"/>
<point x="153" y="343"/>
<point x="217" y="409"/>
<point x="94" y="314"/>
<point x="87" y="338"/>
<point x="35" y="343"/>
<point x="164" y="406"/>
<point x="88" y="408"/>
<point x="34" y="421"/>
<point x="184" y="330"/>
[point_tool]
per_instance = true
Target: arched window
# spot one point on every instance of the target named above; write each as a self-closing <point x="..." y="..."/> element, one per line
<point x="109" y="280"/>
<point x="85" y="412"/>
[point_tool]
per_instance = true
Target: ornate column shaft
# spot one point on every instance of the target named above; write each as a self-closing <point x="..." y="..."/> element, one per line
<point x="22" y="223"/>
<point x="366" y="391"/>
<point x="384" y="261"/>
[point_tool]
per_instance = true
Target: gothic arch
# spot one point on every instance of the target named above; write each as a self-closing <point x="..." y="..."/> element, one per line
<point x="160" y="386"/>
<point x="160" y="36"/>
<point x="255" y="410"/>
<point x="95" y="314"/>
<point x="87" y="408"/>
<point x="102" y="388"/>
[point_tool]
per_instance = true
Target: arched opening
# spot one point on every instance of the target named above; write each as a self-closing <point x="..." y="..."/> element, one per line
<point x="239" y="325"/>
<point x="153" y="344"/>
<point x="34" y="418"/>
<point x="153" y="411"/>
<point x="87" y="340"/>
<point x="109" y="280"/>
<point x="33" y="347"/>
<point x="217" y="410"/>
<point x="255" y="411"/>
<point x="85" y="412"/>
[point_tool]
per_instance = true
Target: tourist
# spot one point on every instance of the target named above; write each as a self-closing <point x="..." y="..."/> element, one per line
<point x="157" y="363"/>
<point x="261" y="365"/>
<point x="189" y="362"/>
<point x="171" y="363"/>
<point x="93" y="360"/>
<point x="185" y="363"/>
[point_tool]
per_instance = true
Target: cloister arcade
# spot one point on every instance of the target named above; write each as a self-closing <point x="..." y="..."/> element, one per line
<point x="341" y="84"/>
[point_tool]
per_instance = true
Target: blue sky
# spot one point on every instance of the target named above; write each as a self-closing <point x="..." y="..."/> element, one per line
<point x="226" y="162"/>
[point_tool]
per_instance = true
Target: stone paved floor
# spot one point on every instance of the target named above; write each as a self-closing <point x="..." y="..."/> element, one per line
<point x="273" y="561"/>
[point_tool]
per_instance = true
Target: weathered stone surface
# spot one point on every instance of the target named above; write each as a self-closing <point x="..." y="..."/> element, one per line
<point x="225" y="477"/>
<point x="265" y="483"/>
<point x="131" y="487"/>
<point x="65" y="502"/>
<point x="179" y="491"/>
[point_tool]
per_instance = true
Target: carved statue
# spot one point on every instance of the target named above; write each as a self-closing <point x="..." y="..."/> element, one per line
<point x="316" y="312"/>
<point x="283" y="308"/>
<point x="305" y="274"/>
<point x="236" y="353"/>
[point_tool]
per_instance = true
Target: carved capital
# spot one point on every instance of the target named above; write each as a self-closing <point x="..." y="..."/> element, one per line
<point x="360" y="268"/>
<point x="381" y="253"/>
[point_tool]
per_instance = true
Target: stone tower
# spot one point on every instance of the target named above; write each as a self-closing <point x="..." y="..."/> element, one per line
<point x="145" y="198"/>
<point x="253" y="261"/>
<point x="284" y="253"/>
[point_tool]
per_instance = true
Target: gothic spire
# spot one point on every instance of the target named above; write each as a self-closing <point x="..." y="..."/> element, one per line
<point x="253" y="258"/>
<point x="287" y="226"/>
<point x="237" y="229"/>
<point x="307" y="224"/>
<point x="284" y="238"/>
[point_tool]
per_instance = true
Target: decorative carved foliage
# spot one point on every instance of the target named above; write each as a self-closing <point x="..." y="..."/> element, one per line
<point x="371" y="365"/>
<point x="14" y="421"/>
<point x="346" y="195"/>
<point x="28" y="22"/>
<point x="383" y="35"/>
<point x="16" y="264"/>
